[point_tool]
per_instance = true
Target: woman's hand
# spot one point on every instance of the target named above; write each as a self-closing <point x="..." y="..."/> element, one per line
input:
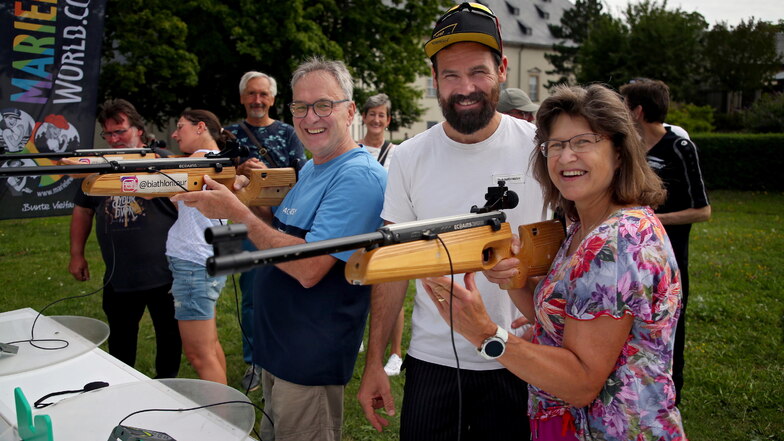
<point x="503" y="272"/>
<point x="469" y="317"/>
<point x="523" y="328"/>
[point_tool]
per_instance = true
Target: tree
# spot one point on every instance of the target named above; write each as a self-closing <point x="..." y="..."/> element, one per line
<point x="145" y="57"/>
<point x="766" y="115"/>
<point x="572" y="32"/>
<point x="603" y="55"/>
<point x="651" y="42"/>
<point x="743" y="58"/>
<point x="667" y="45"/>
<point x="166" y="56"/>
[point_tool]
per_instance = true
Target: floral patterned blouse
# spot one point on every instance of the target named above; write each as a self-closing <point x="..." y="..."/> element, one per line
<point x="624" y="266"/>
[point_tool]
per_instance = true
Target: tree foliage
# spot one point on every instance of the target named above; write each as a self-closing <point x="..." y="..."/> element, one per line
<point x="693" y="118"/>
<point x="571" y="33"/>
<point x="743" y="57"/>
<point x="595" y="63"/>
<point x="167" y="56"/>
<point x="667" y="45"/>
<point x="766" y="115"/>
<point x="675" y="46"/>
<point x="650" y="41"/>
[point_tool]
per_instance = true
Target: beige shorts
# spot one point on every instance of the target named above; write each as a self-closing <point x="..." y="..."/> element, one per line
<point x="301" y="412"/>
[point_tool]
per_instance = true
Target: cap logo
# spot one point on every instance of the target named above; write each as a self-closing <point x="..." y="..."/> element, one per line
<point x="449" y="29"/>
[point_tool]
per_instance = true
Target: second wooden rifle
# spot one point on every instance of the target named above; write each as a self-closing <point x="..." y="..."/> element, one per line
<point x="410" y="250"/>
<point x="164" y="177"/>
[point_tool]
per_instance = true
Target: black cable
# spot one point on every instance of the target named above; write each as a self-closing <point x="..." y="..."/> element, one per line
<point x="39" y="404"/>
<point x="172" y="179"/>
<point x="203" y="407"/>
<point x="452" y="335"/>
<point x="32" y="338"/>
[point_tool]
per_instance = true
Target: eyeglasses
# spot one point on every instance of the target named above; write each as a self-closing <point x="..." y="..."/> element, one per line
<point x="113" y="133"/>
<point x="554" y="148"/>
<point x="322" y="108"/>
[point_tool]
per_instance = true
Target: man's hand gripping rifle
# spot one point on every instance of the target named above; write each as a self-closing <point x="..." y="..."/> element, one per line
<point x="165" y="177"/>
<point x="411" y="250"/>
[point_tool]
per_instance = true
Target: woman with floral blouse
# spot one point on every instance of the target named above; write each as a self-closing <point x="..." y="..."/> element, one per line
<point x="599" y="363"/>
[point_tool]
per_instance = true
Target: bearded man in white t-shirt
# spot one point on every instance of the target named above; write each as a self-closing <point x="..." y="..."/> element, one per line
<point x="441" y="172"/>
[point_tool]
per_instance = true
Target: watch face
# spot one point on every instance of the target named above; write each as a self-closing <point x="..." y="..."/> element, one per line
<point x="494" y="348"/>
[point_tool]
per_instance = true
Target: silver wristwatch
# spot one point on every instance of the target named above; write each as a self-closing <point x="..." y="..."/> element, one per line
<point x="494" y="346"/>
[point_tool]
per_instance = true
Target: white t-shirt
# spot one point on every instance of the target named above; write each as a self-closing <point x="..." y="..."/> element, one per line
<point x="186" y="237"/>
<point x="433" y="176"/>
<point x="374" y="151"/>
<point x="678" y="130"/>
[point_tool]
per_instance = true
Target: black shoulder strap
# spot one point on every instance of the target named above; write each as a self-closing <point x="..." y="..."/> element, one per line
<point x="382" y="154"/>
<point x="263" y="151"/>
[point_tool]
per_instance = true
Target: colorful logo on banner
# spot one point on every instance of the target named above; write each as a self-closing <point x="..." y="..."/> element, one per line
<point x="49" y="66"/>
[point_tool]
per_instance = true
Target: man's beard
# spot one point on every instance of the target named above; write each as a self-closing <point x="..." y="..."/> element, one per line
<point x="258" y="112"/>
<point x="470" y="121"/>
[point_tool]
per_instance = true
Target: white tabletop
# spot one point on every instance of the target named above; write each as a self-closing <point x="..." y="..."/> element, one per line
<point x="92" y="415"/>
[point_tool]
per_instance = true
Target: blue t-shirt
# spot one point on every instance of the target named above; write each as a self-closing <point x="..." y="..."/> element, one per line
<point x="311" y="336"/>
<point x="279" y="138"/>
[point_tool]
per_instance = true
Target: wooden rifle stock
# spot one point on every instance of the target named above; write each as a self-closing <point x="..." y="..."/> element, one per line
<point x="406" y="251"/>
<point x="474" y="249"/>
<point x="166" y="177"/>
<point x="267" y="187"/>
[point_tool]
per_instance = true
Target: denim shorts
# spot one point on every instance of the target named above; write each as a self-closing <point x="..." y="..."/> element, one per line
<point x="195" y="292"/>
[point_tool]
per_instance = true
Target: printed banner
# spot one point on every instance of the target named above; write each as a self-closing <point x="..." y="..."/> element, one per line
<point x="49" y="64"/>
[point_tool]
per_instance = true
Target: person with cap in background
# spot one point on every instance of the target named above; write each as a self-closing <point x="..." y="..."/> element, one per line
<point x="514" y="102"/>
<point x="461" y="391"/>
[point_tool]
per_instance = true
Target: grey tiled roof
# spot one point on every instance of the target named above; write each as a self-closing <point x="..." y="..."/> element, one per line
<point x="524" y="22"/>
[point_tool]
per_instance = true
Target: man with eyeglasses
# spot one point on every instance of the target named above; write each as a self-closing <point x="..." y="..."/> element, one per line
<point x="271" y="143"/>
<point x="441" y="172"/>
<point x="308" y="320"/>
<point x="675" y="159"/>
<point x="132" y="236"/>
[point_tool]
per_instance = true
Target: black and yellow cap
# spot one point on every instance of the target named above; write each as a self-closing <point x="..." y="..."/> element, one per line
<point x="466" y="22"/>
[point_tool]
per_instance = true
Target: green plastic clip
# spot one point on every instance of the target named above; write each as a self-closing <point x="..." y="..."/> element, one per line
<point x="41" y="430"/>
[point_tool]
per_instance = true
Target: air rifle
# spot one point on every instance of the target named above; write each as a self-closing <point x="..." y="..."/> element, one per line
<point x="164" y="177"/>
<point x="410" y="250"/>
<point x="85" y="156"/>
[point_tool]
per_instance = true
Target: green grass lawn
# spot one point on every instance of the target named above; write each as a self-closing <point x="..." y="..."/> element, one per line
<point x="735" y="333"/>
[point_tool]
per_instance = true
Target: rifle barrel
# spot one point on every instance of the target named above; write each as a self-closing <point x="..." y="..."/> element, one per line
<point x="245" y="260"/>
<point x="242" y="261"/>
<point x="119" y="166"/>
<point x="76" y="153"/>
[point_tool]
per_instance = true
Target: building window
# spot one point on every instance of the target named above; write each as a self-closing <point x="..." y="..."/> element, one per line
<point x="533" y="88"/>
<point x="542" y="13"/>
<point x="524" y="29"/>
<point x="430" y="91"/>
